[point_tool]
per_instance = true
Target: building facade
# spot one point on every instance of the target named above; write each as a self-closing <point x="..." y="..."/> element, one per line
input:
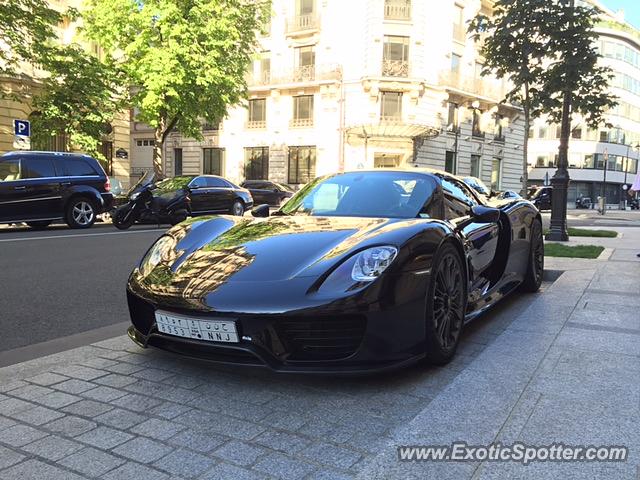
<point x="26" y="84"/>
<point x="601" y="161"/>
<point x="360" y="84"/>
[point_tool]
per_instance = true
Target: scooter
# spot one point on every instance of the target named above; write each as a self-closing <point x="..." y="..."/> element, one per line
<point x="583" y="202"/>
<point x="145" y="207"/>
<point x="634" y="203"/>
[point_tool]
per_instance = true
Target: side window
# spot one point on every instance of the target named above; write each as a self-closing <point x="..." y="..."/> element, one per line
<point x="457" y="199"/>
<point x="269" y="186"/>
<point x="9" y="170"/>
<point x="79" y="168"/>
<point x="198" y="182"/>
<point x="213" y="182"/>
<point x="38" y="168"/>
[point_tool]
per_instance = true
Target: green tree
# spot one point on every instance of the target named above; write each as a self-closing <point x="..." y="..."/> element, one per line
<point x="545" y="48"/>
<point x="185" y="59"/>
<point x="26" y="28"/>
<point x="78" y="98"/>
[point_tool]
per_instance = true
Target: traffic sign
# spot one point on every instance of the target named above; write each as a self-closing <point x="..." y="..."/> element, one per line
<point x="20" y="142"/>
<point x="22" y="128"/>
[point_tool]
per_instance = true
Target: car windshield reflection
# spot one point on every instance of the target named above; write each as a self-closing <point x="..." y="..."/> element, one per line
<point x="365" y="194"/>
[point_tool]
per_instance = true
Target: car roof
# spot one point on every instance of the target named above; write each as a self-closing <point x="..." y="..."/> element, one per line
<point x="38" y="153"/>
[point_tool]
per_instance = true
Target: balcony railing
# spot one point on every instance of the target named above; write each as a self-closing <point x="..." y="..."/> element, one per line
<point x="256" y="124"/>
<point x="304" y="74"/>
<point x="395" y="68"/>
<point x="301" y="123"/>
<point x="480" y="87"/>
<point x="397" y="10"/>
<point x="303" y="23"/>
<point x="262" y="78"/>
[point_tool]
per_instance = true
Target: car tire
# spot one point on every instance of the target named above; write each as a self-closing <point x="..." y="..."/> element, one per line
<point x="80" y="212"/>
<point x="237" y="208"/>
<point x="535" y="265"/>
<point x="39" y="225"/>
<point x="446" y="304"/>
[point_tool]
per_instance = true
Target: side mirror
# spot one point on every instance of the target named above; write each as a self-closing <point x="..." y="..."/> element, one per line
<point x="261" y="211"/>
<point x="482" y="214"/>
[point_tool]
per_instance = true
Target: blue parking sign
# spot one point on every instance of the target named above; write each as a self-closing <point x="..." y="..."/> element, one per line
<point x="22" y="128"/>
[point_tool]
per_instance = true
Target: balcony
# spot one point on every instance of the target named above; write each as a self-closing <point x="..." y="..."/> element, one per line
<point x="300" y="24"/>
<point x="304" y="74"/>
<point x="260" y="79"/>
<point x="301" y="123"/>
<point x="395" y="68"/>
<point x="473" y="86"/>
<point x="397" y="10"/>
<point x="256" y="125"/>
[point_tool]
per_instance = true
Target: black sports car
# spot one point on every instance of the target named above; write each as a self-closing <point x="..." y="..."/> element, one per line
<point x="358" y="271"/>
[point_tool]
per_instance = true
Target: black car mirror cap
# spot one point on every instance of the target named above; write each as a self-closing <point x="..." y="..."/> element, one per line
<point x="261" y="211"/>
<point x="483" y="214"/>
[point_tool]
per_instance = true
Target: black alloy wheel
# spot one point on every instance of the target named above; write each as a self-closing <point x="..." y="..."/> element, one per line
<point x="535" y="266"/>
<point x="446" y="306"/>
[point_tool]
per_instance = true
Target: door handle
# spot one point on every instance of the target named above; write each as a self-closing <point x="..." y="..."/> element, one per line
<point x="65" y="184"/>
<point x="22" y="187"/>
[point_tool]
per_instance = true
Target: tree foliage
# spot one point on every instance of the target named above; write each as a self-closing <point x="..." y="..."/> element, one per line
<point x="545" y="48"/>
<point x="79" y="98"/>
<point x="26" y="29"/>
<point x="185" y="59"/>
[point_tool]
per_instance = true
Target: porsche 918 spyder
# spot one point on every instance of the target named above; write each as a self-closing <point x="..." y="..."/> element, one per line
<point x="358" y="271"/>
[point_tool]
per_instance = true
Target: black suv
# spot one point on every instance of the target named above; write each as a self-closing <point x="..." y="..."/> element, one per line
<point x="40" y="187"/>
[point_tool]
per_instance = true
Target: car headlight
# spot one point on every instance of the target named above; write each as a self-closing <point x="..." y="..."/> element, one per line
<point x="369" y="264"/>
<point x="161" y="251"/>
<point x="135" y="195"/>
<point x="359" y="270"/>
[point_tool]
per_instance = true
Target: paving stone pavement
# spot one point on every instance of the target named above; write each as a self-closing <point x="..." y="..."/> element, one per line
<point x="562" y="365"/>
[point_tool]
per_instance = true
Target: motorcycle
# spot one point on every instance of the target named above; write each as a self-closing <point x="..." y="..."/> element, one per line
<point x="634" y="203"/>
<point x="149" y="202"/>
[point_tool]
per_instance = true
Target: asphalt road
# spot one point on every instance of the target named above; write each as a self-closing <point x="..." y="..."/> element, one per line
<point x="60" y="282"/>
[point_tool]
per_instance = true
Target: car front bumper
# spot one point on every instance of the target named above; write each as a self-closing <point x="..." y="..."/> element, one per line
<point x="349" y="335"/>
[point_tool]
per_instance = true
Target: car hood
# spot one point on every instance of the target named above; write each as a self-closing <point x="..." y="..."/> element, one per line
<point x="271" y="249"/>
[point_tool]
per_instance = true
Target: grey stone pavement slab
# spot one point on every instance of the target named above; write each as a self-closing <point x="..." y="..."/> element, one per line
<point x="559" y="366"/>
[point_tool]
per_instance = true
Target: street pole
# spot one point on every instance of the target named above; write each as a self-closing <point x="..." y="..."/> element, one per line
<point x="623" y="194"/>
<point x="560" y="180"/>
<point x="603" y="193"/>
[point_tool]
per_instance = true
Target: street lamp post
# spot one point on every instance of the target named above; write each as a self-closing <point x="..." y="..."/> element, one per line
<point x="560" y="180"/>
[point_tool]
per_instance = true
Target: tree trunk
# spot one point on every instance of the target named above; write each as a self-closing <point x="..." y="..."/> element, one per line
<point x="525" y="143"/>
<point x="158" y="147"/>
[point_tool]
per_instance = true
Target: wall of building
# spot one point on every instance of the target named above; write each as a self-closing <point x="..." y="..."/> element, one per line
<point x="350" y="38"/>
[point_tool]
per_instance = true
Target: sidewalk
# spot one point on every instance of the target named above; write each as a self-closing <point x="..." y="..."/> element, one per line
<point x="559" y="366"/>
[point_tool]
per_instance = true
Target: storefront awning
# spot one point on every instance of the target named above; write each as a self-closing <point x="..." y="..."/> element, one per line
<point x="391" y="129"/>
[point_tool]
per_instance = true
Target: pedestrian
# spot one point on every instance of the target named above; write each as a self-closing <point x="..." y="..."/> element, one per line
<point x="635" y="188"/>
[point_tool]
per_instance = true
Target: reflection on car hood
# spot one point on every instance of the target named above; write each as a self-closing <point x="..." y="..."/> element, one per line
<point x="271" y="249"/>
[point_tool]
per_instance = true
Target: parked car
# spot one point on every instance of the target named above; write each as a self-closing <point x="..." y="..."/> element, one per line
<point x="358" y="271"/>
<point x="541" y="198"/>
<point x="40" y="187"/>
<point x="584" y="202"/>
<point x="266" y="192"/>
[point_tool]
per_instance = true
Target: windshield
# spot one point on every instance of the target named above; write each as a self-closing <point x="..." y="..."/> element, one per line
<point x="284" y="187"/>
<point x="365" y="194"/>
<point x="146" y="179"/>
<point x="478" y="185"/>
<point x="171" y="185"/>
